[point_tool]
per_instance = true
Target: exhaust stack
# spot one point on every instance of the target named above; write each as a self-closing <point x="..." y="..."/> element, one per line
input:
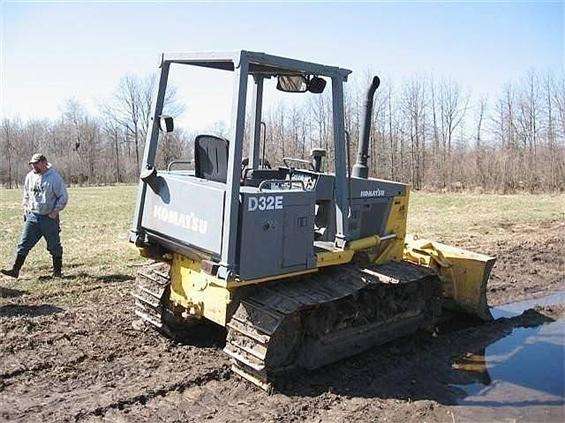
<point x="361" y="170"/>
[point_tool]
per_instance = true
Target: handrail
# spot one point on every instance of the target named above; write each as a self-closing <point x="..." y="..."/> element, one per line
<point x="281" y="182"/>
<point x="177" y="162"/>
<point x="308" y="162"/>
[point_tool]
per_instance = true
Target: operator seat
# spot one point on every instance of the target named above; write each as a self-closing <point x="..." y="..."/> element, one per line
<point x="211" y="158"/>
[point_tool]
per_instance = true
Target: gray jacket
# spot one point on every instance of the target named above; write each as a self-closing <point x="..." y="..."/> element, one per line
<point x="44" y="193"/>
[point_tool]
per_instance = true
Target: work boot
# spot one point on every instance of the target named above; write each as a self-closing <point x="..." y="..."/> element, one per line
<point x="57" y="267"/>
<point x="14" y="272"/>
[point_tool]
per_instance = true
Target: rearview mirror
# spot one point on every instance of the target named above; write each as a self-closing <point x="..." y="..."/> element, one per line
<point x="166" y="123"/>
<point x="316" y="85"/>
<point x="292" y="83"/>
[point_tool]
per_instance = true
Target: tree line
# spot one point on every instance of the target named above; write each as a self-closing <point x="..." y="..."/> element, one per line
<point x="428" y="132"/>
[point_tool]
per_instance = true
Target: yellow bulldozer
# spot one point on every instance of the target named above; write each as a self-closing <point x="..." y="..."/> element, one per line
<point x="303" y="267"/>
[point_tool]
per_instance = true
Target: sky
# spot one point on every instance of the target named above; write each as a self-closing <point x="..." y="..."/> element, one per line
<point x="52" y="51"/>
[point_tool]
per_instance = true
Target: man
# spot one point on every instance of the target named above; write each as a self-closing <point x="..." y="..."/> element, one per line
<point x="45" y="195"/>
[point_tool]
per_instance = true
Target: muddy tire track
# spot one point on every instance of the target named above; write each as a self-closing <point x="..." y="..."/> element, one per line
<point x="75" y="290"/>
<point x="51" y="365"/>
<point x="221" y="373"/>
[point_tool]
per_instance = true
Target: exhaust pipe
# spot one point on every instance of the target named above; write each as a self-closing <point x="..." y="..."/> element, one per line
<point x="361" y="170"/>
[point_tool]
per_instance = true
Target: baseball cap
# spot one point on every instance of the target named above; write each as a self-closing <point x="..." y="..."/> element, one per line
<point x="37" y="158"/>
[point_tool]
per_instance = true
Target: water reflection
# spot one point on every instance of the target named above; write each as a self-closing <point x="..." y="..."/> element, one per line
<point x="525" y="368"/>
<point x="531" y="358"/>
<point x="475" y="366"/>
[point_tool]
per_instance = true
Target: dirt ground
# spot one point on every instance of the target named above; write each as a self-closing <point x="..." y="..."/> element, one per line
<point x="530" y="260"/>
<point x="81" y="360"/>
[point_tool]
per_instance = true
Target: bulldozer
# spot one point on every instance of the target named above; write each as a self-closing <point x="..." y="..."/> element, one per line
<point x="301" y="266"/>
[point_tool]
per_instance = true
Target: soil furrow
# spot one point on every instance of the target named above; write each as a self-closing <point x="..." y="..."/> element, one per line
<point x="31" y="344"/>
<point x="220" y="373"/>
<point x="40" y="367"/>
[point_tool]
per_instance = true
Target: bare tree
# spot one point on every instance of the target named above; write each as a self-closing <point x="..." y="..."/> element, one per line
<point x="112" y="130"/>
<point x="413" y="107"/>
<point x="453" y="107"/>
<point x="478" y="144"/>
<point x="9" y="129"/>
<point x="423" y="134"/>
<point x="131" y="107"/>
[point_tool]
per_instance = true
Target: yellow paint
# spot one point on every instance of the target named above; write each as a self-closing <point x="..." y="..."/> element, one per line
<point x="464" y="274"/>
<point x="235" y="283"/>
<point x="332" y="258"/>
<point x="379" y="251"/>
<point x="199" y="293"/>
<point x="396" y="224"/>
<point x="143" y="252"/>
<point x="204" y="295"/>
<point x="364" y="243"/>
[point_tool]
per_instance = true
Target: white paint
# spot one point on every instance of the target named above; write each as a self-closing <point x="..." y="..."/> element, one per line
<point x="266" y="202"/>
<point x="187" y="221"/>
<point x="373" y="193"/>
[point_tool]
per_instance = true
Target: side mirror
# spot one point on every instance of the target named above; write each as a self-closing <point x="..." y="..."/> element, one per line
<point x="316" y="85"/>
<point x="292" y="83"/>
<point x="166" y="123"/>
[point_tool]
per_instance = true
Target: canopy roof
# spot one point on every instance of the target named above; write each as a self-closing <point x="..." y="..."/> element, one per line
<point x="259" y="63"/>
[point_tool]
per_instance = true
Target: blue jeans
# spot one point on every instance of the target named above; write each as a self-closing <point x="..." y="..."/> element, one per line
<point x="37" y="226"/>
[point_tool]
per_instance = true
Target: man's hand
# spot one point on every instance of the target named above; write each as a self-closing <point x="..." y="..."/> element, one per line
<point x="54" y="214"/>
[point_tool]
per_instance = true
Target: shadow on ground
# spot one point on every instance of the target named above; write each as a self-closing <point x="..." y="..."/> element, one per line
<point x="17" y="310"/>
<point x="111" y="278"/>
<point x="11" y="293"/>
<point x="202" y="334"/>
<point x="114" y="277"/>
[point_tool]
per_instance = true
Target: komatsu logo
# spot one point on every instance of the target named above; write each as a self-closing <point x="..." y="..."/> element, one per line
<point x="373" y="193"/>
<point x="187" y="221"/>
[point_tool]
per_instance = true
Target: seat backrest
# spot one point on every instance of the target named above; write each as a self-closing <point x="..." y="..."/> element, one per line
<point x="211" y="158"/>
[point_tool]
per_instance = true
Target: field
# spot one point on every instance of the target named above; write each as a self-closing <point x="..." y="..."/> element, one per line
<point x="69" y="352"/>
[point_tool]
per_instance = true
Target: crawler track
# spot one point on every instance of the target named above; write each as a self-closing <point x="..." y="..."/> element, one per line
<point x="314" y="321"/>
<point x="307" y="322"/>
<point x="151" y="295"/>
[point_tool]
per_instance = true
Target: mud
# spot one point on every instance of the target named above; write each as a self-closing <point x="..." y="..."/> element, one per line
<point x="530" y="260"/>
<point x="71" y="354"/>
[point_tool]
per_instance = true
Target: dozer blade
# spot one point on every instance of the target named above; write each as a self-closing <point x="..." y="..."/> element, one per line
<point x="464" y="274"/>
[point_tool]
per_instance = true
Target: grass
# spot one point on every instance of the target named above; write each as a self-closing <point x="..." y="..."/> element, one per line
<point x="96" y="222"/>
<point x="454" y="216"/>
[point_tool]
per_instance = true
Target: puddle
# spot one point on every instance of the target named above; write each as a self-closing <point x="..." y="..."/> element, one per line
<point x="521" y="376"/>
